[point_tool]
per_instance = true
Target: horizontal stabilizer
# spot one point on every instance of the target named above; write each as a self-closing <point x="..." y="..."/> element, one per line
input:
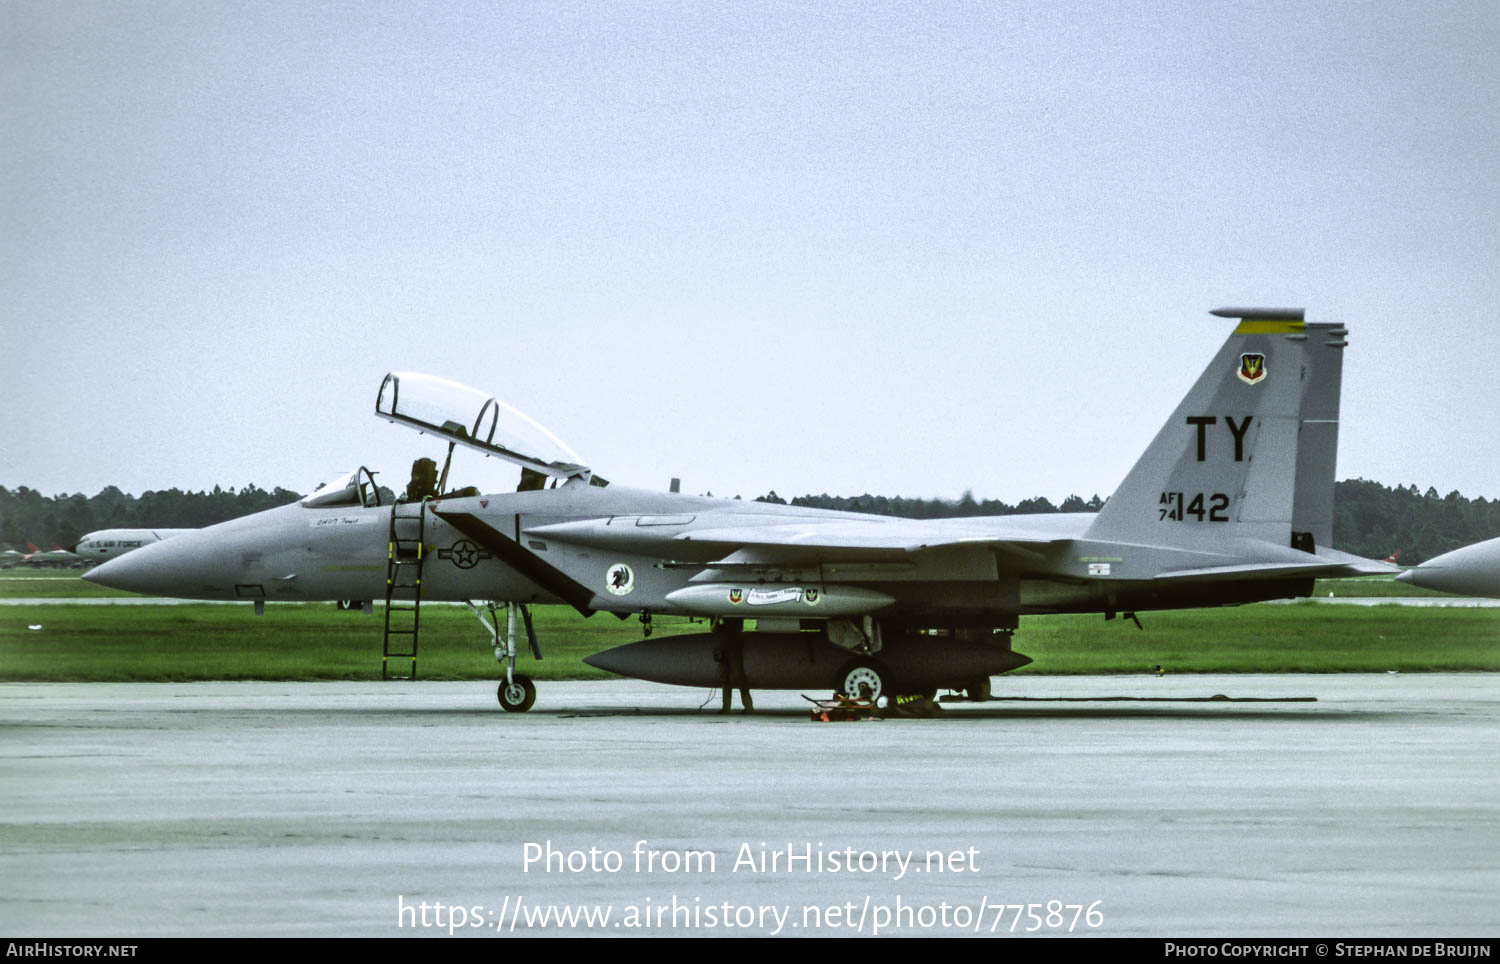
<point x="1326" y="569"/>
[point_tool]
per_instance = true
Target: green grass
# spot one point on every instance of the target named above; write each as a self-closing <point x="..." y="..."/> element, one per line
<point x="1301" y="638"/>
<point x="51" y="584"/>
<point x="291" y="641"/>
<point x="315" y="641"/>
<point x="1383" y="587"/>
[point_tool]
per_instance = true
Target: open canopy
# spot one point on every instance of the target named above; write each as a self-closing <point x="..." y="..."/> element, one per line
<point x="469" y="417"/>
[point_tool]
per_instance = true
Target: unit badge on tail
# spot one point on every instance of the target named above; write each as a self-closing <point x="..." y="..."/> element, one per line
<point x="1252" y="368"/>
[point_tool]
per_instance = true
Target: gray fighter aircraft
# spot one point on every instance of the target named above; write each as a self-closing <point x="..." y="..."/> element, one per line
<point x="1231" y="503"/>
<point x="1469" y="571"/>
<point x="57" y="557"/>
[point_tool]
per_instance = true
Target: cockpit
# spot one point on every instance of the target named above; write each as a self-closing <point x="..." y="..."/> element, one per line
<point x="355" y="489"/>
<point x="468" y="417"/>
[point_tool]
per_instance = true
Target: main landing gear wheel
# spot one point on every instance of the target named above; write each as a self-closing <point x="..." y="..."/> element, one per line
<point x="978" y="690"/>
<point x="862" y="679"/>
<point x="517" y="695"/>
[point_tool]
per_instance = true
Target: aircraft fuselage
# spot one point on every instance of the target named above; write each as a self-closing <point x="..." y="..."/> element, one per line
<point x="627" y="551"/>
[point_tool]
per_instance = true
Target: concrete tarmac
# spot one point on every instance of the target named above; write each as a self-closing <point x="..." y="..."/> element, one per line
<point x="325" y="808"/>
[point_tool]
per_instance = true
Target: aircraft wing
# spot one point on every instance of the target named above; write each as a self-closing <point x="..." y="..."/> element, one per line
<point x="753" y="542"/>
<point x="895" y="538"/>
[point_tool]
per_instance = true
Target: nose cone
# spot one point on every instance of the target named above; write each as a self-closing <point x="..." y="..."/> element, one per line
<point x="183" y="567"/>
<point x="211" y="563"/>
<point x="1470" y="571"/>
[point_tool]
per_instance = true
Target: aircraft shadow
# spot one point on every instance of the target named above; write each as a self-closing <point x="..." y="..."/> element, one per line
<point x="987" y="713"/>
<point x="1109" y="709"/>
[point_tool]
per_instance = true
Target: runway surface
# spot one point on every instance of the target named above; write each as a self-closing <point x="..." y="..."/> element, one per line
<point x="323" y="809"/>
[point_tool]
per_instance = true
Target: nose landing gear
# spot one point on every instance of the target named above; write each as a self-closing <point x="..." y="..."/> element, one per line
<point x="517" y="693"/>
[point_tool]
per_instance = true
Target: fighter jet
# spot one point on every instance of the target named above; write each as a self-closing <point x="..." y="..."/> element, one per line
<point x="1469" y="571"/>
<point x="56" y="557"/>
<point x="1232" y="502"/>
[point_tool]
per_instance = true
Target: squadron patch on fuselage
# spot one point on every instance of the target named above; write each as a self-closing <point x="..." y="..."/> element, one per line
<point x="811" y="596"/>
<point x="619" y="579"/>
<point x="736" y="596"/>
<point x="1252" y="368"/>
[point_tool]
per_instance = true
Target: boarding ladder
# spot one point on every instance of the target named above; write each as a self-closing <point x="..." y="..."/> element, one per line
<point x="403" y="586"/>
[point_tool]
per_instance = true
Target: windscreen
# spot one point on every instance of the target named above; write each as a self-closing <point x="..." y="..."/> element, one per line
<point x="355" y="488"/>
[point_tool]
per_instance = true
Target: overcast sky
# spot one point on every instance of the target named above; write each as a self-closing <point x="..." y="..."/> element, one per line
<point x="899" y="248"/>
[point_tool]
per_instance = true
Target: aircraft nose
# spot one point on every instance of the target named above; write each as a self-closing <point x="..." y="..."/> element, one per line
<point x="160" y="569"/>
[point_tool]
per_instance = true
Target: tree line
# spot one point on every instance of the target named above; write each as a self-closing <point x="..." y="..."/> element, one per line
<point x="28" y="516"/>
<point x="1370" y="519"/>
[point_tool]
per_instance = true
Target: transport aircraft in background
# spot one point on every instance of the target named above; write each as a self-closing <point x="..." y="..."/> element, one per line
<point x="113" y="543"/>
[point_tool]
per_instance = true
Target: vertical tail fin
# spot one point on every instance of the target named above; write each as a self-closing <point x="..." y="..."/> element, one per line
<point x="1318" y="441"/>
<point x="1250" y="452"/>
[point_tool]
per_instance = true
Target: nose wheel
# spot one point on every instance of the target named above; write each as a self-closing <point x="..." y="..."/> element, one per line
<point x="517" y="695"/>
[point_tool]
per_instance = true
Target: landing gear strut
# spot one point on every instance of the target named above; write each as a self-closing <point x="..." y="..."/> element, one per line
<point x="517" y="692"/>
